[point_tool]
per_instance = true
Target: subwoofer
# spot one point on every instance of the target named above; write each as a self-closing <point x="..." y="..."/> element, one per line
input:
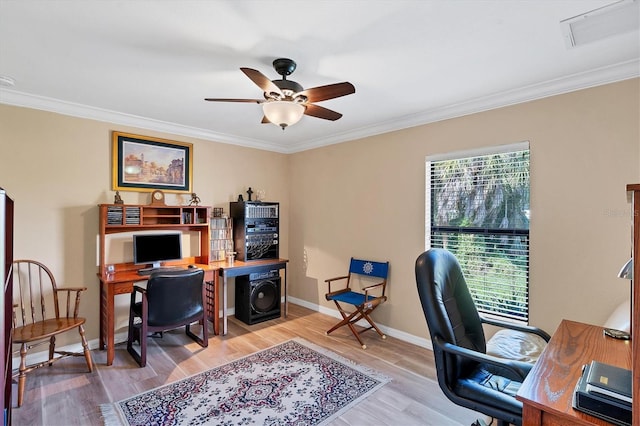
<point x="258" y="297"/>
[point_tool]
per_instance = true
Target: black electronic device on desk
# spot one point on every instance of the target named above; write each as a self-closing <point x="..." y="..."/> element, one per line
<point x="604" y="391"/>
<point x="149" y="271"/>
<point x="157" y="248"/>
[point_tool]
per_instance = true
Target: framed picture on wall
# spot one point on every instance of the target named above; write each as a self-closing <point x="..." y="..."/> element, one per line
<point x="142" y="163"/>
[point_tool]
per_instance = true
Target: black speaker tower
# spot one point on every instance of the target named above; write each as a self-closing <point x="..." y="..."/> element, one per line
<point x="258" y="297"/>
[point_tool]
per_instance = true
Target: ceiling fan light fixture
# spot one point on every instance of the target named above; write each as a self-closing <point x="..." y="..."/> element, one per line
<point x="283" y="113"/>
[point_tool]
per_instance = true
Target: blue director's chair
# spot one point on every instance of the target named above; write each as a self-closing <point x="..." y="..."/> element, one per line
<point x="364" y="301"/>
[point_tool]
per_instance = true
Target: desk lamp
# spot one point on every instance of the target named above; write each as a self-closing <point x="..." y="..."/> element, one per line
<point x="627" y="273"/>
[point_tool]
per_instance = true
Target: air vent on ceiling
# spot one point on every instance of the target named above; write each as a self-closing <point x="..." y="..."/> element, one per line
<point x="617" y="18"/>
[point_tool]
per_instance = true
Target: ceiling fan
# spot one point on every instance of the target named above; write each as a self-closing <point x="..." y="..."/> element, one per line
<point x="285" y="101"/>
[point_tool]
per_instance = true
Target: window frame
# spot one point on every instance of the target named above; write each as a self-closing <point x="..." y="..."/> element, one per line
<point x="457" y="155"/>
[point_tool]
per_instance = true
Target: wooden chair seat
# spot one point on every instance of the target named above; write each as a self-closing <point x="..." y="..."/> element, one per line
<point x="44" y="329"/>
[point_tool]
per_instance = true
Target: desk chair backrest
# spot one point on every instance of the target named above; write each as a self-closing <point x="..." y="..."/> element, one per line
<point x="449" y="309"/>
<point x="175" y="296"/>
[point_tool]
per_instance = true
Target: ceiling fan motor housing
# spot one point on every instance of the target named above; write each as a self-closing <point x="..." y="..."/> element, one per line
<point x="284" y="66"/>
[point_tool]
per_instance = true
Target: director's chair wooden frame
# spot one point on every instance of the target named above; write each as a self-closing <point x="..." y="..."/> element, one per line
<point x="363" y="302"/>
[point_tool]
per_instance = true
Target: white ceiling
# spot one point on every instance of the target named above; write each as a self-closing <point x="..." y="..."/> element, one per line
<point x="150" y="64"/>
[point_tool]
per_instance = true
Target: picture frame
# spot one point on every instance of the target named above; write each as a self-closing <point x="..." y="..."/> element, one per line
<point x="145" y="164"/>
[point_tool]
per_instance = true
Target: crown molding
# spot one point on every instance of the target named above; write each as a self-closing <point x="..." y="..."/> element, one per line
<point x="27" y="100"/>
<point x="583" y="80"/>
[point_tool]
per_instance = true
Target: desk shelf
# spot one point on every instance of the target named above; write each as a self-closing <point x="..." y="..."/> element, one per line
<point x="116" y="215"/>
<point x="115" y="218"/>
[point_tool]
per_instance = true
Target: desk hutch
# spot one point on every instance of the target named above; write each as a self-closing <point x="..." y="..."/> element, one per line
<point x="117" y="218"/>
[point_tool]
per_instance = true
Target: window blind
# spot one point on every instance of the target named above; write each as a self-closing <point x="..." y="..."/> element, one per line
<point x="479" y="210"/>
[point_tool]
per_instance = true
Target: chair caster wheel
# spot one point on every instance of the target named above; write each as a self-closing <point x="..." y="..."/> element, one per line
<point x="364" y="346"/>
<point x="384" y="337"/>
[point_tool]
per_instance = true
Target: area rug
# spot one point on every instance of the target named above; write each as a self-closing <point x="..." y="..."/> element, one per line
<point x="293" y="383"/>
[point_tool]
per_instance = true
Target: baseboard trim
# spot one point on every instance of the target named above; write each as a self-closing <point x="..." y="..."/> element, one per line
<point x="398" y="334"/>
<point x="122" y="337"/>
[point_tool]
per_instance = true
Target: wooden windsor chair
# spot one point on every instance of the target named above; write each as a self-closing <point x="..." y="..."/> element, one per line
<point x="38" y="317"/>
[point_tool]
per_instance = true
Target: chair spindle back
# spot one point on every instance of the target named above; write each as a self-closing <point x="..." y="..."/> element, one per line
<point x="36" y="294"/>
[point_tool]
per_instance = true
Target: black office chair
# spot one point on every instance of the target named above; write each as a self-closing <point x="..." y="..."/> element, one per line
<point x="466" y="374"/>
<point x="170" y="300"/>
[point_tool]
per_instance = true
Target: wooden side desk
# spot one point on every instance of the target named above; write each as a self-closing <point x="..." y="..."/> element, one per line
<point x="239" y="268"/>
<point x="121" y="282"/>
<point x="547" y="392"/>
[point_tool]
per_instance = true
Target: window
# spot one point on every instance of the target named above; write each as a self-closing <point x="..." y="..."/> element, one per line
<point x="478" y="208"/>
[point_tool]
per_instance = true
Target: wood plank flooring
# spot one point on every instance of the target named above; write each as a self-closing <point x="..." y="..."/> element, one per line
<point x="65" y="394"/>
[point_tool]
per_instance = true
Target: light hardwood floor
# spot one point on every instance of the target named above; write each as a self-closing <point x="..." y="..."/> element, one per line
<point x="65" y="394"/>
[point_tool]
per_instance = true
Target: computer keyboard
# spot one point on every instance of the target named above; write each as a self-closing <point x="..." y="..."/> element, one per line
<point x="149" y="271"/>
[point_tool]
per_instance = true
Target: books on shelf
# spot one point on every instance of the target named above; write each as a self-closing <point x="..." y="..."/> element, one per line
<point x="611" y="409"/>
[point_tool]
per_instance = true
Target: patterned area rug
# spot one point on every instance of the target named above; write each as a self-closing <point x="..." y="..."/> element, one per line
<point x="294" y="383"/>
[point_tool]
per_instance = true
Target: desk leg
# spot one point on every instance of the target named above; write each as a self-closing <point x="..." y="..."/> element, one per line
<point x="224" y="304"/>
<point x="531" y="416"/>
<point x="216" y="304"/>
<point x="111" y="341"/>
<point x="103" y="313"/>
<point x="107" y="296"/>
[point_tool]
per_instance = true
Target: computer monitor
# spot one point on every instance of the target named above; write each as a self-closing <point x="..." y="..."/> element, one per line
<point x="156" y="248"/>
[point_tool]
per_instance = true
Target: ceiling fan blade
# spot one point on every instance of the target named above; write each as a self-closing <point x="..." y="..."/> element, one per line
<point x="321" y="112"/>
<point x="253" y="101"/>
<point x="330" y="91"/>
<point x="261" y="81"/>
<point x="265" y="120"/>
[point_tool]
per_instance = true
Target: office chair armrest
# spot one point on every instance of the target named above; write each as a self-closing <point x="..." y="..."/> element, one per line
<point x="519" y="369"/>
<point x="138" y="289"/>
<point x="330" y="280"/>
<point x="517" y="327"/>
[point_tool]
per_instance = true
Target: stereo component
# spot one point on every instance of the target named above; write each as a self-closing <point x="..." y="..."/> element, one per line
<point x="255" y="229"/>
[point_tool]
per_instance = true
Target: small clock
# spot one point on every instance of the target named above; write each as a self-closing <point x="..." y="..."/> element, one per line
<point x="157" y="198"/>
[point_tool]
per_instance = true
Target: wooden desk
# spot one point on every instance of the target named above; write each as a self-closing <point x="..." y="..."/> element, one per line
<point x="239" y="268"/>
<point x="121" y="282"/>
<point x="547" y="392"/>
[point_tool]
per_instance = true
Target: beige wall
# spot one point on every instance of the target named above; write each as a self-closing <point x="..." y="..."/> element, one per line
<point x="362" y="198"/>
<point x="58" y="169"/>
<point x="366" y="198"/>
